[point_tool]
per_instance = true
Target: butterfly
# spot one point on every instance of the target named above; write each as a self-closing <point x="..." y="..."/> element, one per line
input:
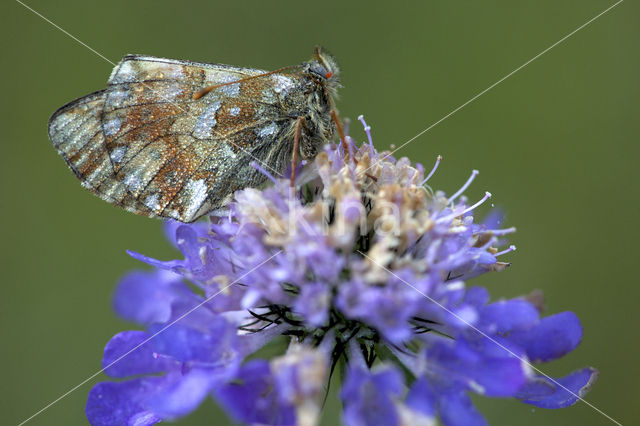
<point x="175" y="139"/>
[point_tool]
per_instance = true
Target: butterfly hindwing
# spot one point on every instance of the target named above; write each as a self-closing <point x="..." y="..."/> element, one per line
<point x="76" y="132"/>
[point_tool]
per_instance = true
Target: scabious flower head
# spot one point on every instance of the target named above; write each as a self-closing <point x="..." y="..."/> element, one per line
<point x="363" y="265"/>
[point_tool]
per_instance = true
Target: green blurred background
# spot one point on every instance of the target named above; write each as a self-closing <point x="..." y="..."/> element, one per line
<point x="556" y="143"/>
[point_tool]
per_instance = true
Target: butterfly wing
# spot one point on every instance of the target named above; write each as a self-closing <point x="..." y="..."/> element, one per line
<point x="76" y="132"/>
<point x="169" y="155"/>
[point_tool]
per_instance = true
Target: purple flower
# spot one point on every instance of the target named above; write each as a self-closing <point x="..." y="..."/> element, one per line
<point x="363" y="265"/>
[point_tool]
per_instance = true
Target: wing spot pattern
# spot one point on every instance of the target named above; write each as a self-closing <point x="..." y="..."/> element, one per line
<point x="206" y="121"/>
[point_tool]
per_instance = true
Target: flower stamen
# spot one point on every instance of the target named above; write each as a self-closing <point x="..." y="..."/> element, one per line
<point x="367" y="130"/>
<point x="433" y="170"/>
<point x="451" y="216"/>
<point x="262" y="170"/>
<point x="510" y="249"/>
<point x="464" y="187"/>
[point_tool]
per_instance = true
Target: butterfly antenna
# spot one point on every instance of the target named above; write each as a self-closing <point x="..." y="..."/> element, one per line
<point x="200" y="93"/>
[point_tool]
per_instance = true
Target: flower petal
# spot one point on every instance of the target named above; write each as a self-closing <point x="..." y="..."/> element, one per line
<point x="479" y="367"/>
<point x="456" y="409"/>
<point x="146" y="298"/>
<point x="313" y="303"/>
<point x="368" y="396"/>
<point x="171" y="265"/>
<point x="121" y="403"/>
<point x="183" y="395"/>
<point x="568" y="389"/>
<point x="421" y="397"/>
<point x="477" y="296"/>
<point x="130" y="353"/>
<point x="554" y="337"/>
<point x="387" y="309"/>
<point x="508" y="315"/>
<point x="214" y="345"/>
<point x="252" y="398"/>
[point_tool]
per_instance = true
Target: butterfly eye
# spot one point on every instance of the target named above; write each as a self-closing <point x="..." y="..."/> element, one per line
<point x="320" y="71"/>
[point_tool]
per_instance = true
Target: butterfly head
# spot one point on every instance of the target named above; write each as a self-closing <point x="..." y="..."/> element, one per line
<point x="324" y="70"/>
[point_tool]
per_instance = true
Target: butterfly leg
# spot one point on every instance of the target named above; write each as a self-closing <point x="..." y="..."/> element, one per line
<point x="296" y="147"/>
<point x="336" y="120"/>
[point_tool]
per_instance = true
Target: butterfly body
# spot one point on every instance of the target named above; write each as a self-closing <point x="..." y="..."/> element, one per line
<point x="176" y="139"/>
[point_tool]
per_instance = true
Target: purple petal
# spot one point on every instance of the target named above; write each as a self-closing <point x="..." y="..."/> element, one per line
<point x="481" y="368"/>
<point x="324" y="262"/>
<point x="146" y="297"/>
<point x="183" y="395"/>
<point x="387" y="309"/>
<point x="121" y="403"/>
<point x="536" y="388"/>
<point x="494" y="219"/>
<point x="571" y="389"/>
<point x="251" y="397"/>
<point x="476" y="296"/>
<point x="129" y="353"/>
<point x="554" y="337"/>
<point x="481" y="256"/>
<point x="188" y="242"/>
<point x="143" y="418"/>
<point x="421" y="397"/>
<point x="498" y="377"/>
<point x="368" y="396"/>
<point x="171" y="265"/>
<point x="508" y="315"/>
<point x="214" y="345"/>
<point x="171" y="226"/>
<point x="313" y="303"/>
<point x="300" y="376"/>
<point x="456" y="409"/>
<point x="147" y="400"/>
